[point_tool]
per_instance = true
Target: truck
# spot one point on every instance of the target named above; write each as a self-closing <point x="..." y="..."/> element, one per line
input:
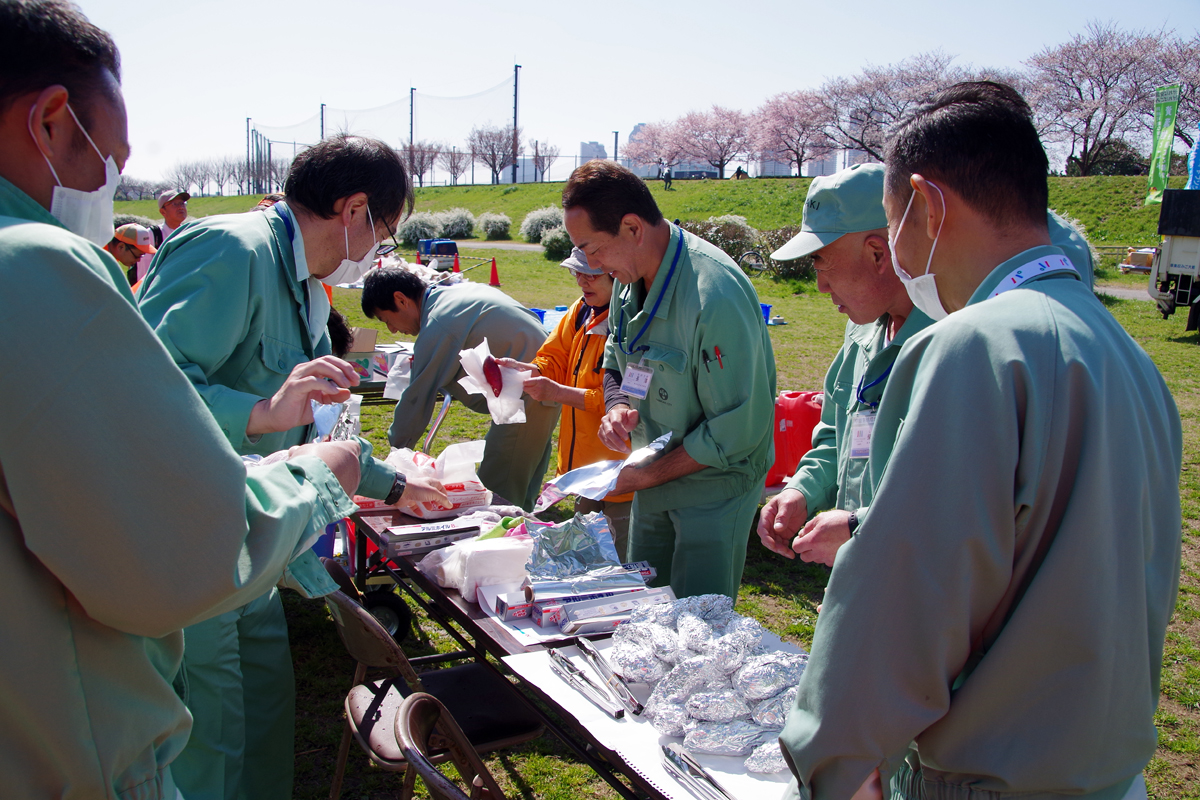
<point x="1175" y="272"/>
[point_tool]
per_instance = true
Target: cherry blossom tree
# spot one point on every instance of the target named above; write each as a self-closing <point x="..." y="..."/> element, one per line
<point x="717" y="137"/>
<point x="791" y="127"/>
<point x="454" y="160"/>
<point x="544" y="156"/>
<point x="493" y="147"/>
<point x="1095" y="90"/>
<point x="1181" y="65"/>
<point x="420" y="157"/>
<point x="656" y="144"/>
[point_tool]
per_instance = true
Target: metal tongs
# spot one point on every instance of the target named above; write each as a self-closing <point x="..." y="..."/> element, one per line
<point x="580" y="682"/>
<point x="611" y="678"/>
<point x="683" y="767"/>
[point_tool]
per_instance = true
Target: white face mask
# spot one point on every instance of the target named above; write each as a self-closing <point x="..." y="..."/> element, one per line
<point x="350" y="271"/>
<point x="88" y="214"/>
<point x="922" y="290"/>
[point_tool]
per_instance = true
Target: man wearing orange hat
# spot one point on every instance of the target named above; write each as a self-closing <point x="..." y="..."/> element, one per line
<point x="129" y="243"/>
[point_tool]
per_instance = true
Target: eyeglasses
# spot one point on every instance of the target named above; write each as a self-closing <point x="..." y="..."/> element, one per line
<point x="387" y="249"/>
<point x="587" y="276"/>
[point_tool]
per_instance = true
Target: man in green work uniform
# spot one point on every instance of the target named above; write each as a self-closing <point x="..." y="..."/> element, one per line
<point x="1004" y="602"/>
<point x="844" y="229"/>
<point x="124" y="513"/>
<point x="688" y="353"/>
<point x="237" y="300"/>
<point x="449" y="319"/>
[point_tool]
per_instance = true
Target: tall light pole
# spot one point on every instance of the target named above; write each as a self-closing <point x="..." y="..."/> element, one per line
<point x="322" y="120"/>
<point x="516" y="134"/>
<point x="615" y="147"/>
<point x="247" y="155"/>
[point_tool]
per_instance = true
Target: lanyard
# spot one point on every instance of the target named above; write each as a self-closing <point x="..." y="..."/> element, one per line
<point x="1035" y="268"/>
<point x="620" y="337"/>
<point x="286" y="214"/>
<point x="862" y="400"/>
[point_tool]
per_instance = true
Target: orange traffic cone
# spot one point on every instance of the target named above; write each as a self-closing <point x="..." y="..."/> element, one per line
<point x="495" y="281"/>
<point x="418" y="256"/>
<point x="456" y="269"/>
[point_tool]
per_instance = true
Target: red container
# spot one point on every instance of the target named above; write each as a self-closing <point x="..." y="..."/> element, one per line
<point x="796" y="414"/>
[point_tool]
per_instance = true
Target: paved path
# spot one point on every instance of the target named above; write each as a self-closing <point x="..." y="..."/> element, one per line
<point x="535" y="248"/>
<point x="1124" y="292"/>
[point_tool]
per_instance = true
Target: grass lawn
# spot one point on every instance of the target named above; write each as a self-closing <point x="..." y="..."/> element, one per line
<point x="782" y="594"/>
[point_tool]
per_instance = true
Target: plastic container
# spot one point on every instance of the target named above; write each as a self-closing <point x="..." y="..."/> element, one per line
<point x="541" y="312"/>
<point x="796" y="414"/>
<point x="766" y="309"/>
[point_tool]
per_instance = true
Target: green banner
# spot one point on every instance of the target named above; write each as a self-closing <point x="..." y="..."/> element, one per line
<point x="1166" y="103"/>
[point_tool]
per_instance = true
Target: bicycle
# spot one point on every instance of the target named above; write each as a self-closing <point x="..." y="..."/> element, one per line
<point x="754" y="264"/>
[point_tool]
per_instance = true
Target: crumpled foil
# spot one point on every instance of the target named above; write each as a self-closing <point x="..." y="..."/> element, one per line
<point x="717" y="706"/>
<point x="694" y="633"/>
<point x="669" y="719"/>
<point x="573" y="547"/>
<point x="632" y="654"/>
<point x="663" y="614"/>
<point x="767" y="758"/>
<point x="735" y="738"/>
<point x="767" y="675"/>
<point x="708" y="607"/>
<point x="773" y="712"/>
<point x="686" y="677"/>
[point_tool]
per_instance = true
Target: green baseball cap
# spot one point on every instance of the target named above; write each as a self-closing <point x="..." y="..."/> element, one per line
<point x="849" y="201"/>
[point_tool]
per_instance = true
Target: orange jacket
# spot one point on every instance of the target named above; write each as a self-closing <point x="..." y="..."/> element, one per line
<point x="573" y="355"/>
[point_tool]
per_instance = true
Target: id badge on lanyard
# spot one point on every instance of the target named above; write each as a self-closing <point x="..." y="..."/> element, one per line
<point x="862" y="425"/>
<point x="637" y="380"/>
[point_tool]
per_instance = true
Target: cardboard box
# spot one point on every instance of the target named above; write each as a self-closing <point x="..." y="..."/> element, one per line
<point x="513" y="605"/>
<point x="620" y="604"/>
<point x="407" y="540"/>
<point x="548" y="615"/>
<point x="593" y="625"/>
<point x="363" y="363"/>
<point x="364" y="340"/>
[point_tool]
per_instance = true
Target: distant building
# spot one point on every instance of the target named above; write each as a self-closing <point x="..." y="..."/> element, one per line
<point x="768" y="168"/>
<point x="816" y="167"/>
<point x="590" y="150"/>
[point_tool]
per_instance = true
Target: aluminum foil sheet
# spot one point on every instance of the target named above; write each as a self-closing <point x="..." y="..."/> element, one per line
<point x="669" y="719"/>
<point x="579" y="545"/>
<point x="719" y="706"/>
<point x="666" y="645"/>
<point x="632" y="654"/>
<point x="687" y="677"/>
<point x="767" y="675"/>
<point x="737" y="738"/>
<point x="663" y="614"/>
<point x="694" y="633"/>
<point x="708" y="607"/>
<point x="601" y="579"/>
<point x="773" y="712"/>
<point x="767" y="758"/>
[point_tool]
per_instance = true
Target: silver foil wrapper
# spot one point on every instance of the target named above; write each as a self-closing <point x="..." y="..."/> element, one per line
<point x="632" y="654"/>
<point x="773" y="712"/>
<point x="767" y="675"/>
<point x="601" y="579"/>
<point x="665" y="642"/>
<point x="663" y="614"/>
<point x="717" y="706"/>
<point x="669" y="719"/>
<point x="684" y="679"/>
<point x="694" y="633"/>
<point x="579" y="545"/>
<point x="737" y="738"/>
<point x="767" y="758"/>
<point x="708" y="607"/>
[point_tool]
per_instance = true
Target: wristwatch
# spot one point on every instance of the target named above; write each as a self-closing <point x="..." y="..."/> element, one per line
<point x="397" y="489"/>
<point x="853" y="521"/>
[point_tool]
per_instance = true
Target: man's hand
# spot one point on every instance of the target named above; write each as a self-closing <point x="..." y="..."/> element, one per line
<point x="822" y="536"/>
<point x="340" y="457"/>
<point x="872" y="788"/>
<point x="521" y="366"/>
<point x="323" y="379"/>
<point x="780" y="521"/>
<point x="424" y="490"/>
<point x="615" y="428"/>
<point x="542" y="389"/>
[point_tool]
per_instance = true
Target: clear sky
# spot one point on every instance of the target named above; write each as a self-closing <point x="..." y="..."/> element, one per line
<point x="194" y="71"/>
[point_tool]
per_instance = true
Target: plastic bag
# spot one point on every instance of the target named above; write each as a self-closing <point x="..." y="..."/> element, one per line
<point x="455" y="468"/>
<point x="472" y="563"/>
<point x="509" y="407"/>
<point x="597" y="480"/>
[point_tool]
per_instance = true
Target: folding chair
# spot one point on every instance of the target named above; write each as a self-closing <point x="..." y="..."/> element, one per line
<point x="426" y="732"/>
<point x="491" y="712"/>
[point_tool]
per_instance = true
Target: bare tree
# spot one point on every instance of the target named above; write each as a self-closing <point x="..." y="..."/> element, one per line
<point x="657" y="144"/>
<point x="718" y="137"/>
<point x="454" y="161"/>
<point x="860" y="110"/>
<point x="179" y="176"/>
<point x="493" y="147"/>
<point x="1093" y="90"/>
<point x="791" y="127"/>
<point x="420" y="157"/>
<point x="544" y="155"/>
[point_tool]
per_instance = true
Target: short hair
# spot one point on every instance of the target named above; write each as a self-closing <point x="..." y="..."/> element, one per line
<point x="978" y="138"/>
<point x="340" y="165"/>
<point x="380" y="287"/>
<point x="48" y="42"/>
<point x="341" y="339"/>
<point x="607" y="192"/>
